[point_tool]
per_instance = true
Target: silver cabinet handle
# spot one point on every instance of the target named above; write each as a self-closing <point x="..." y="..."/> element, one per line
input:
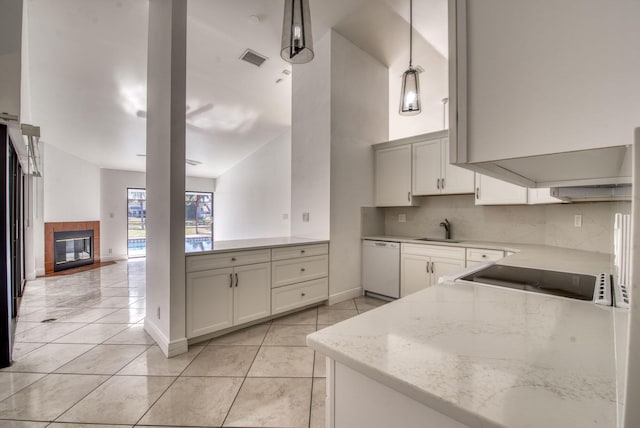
<point x="477" y="193"/>
<point x="230" y="280"/>
<point x="438" y="183"/>
<point x="236" y="279"/>
<point x="484" y="256"/>
<point x="432" y="267"/>
<point x="409" y="196"/>
<point x="302" y="269"/>
<point x="233" y="259"/>
<point x="302" y="251"/>
<point x="302" y="294"/>
<point x="442" y="183"/>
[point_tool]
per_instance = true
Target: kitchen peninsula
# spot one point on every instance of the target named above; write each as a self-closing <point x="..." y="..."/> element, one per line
<point x="243" y="282"/>
<point x="463" y="355"/>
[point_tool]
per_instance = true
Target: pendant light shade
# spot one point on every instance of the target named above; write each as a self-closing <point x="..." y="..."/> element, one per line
<point x="297" y="43"/>
<point x="410" y="94"/>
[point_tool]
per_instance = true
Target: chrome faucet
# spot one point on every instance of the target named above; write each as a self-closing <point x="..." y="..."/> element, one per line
<point x="447" y="228"/>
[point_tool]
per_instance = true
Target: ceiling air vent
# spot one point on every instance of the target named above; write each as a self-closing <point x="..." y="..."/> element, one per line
<point x="253" y="57"/>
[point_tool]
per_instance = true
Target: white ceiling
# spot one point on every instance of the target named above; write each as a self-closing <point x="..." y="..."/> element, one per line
<point x="87" y="71"/>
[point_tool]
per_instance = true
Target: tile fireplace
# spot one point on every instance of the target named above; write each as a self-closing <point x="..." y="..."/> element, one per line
<point x="71" y="244"/>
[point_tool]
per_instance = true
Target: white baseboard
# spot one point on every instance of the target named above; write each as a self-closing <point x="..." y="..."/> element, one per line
<point x="170" y="348"/>
<point x="31" y="275"/>
<point x="345" y="295"/>
<point x="113" y="258"/>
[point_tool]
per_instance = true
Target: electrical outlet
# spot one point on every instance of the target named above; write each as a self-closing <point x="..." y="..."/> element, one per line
<point x="305" y="217"/>
<point x="110" y="250"/>
<point x="158" y="312"/>
<point x="402" y="218"/>
<point x="577" y="220"/>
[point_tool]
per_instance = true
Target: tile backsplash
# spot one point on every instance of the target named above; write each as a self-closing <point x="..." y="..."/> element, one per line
<point x="530" y="224"/>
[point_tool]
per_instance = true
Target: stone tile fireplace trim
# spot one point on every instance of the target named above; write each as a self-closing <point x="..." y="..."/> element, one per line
<point x="65" y="226"/>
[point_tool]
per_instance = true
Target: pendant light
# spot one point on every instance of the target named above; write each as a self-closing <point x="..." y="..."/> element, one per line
<point x="410" y="94"/>
<point x="297" y="43"/>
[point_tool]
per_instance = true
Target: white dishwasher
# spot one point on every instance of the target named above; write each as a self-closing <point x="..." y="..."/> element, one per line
<point x="381" y="268"/>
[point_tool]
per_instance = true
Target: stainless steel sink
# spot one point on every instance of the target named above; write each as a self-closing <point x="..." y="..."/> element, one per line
<point x="453" y="241"/>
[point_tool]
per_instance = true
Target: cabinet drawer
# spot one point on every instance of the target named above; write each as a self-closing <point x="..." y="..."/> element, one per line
<point x="482" y="255"/>
<point x="284" y="253"/>
<point x="286" y="272"/>
<point x="297" y="295"/>
<point x="434" y="251"/>
<point x="223" y="260"/>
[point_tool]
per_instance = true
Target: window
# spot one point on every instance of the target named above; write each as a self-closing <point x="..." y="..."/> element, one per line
<point x="198" y="224"/>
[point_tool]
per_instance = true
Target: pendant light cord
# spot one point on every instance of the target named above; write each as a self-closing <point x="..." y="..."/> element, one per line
<point x="410" y="33"/>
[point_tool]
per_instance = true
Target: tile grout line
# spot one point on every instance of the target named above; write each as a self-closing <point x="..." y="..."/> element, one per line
<point x="246" y="374"/>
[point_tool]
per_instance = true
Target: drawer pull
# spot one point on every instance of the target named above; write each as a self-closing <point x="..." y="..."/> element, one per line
<point x="302" y="269"/>
<point x="236" y="279"/>
<point x="302" y="251"/>
<point x="484" y="256"/>
<point x="302" y="294"/>
<point x="233" y="259"/>
<point x="230" y="280"/>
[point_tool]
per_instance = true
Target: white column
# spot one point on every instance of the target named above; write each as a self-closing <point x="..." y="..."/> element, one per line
<point x="165" y="183"/>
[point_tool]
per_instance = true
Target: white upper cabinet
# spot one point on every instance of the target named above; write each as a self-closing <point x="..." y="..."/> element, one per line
<point x="432" y="172"/>
<point x="491" y="191"/>
<point x="562" y="82"/>
<point x="10" y="57"/>
<point x="542" y="196"/>
<point x="393" y="176"/>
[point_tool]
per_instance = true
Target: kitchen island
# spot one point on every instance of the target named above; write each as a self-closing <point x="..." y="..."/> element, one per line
<point x="464" y="355"/>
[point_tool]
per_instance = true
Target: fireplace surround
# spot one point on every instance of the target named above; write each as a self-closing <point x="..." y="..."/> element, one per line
<point x="71" y="246"/>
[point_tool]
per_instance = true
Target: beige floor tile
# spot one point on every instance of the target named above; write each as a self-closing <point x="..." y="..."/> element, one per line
<point x="319" y="365"/>
<point x="222" y="360"/>
<point x="248" y="336"/>
<point x="47" y="358"/>
<point x="318" y="403"/>
<point x="87" y="315"/>
<point x="326" y="316"/>
<point x="140" y="304"/>
<point x="20" y="349"/>
<point x="346" y="305"/>
<point x="124" y="316"/>
<point x="271" y="403"/>
<point x="23" y="424"/>
<point x="120" y="400"/>
<point x="103" y="359"/>
<point x="115" y="302"/>
<point x="154" y="363"/>
<point x="283" y="361"/>
<point x="47" y="398"/>
<point x="194" y="401"/>
<point x="44" y="313"/>
<point x="309" y="316"/>
<point x="366" y="303"/>
<point x="134" y="335"/>
<point x="23" y="326"/>
<point x="116" y="292"/>
<point x="93" y="333"/>
<point x="288" y="335"/>
<point x="10" y="383"/>
<point x="48" y="332"/>
<point x="65" y="425"/>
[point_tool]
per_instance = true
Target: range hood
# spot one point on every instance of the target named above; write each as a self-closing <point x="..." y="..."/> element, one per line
<point x="605" y="168"/>
<point x="612" y="192"/>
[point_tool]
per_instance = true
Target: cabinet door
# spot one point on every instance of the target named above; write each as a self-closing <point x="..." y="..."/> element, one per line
<point x="252" y="292"/>
<point x="427" y="167"/>
<point x="455" y="180"/>
<point x="414" y="273"/>
<point x="393" y="176"/>
<point x="209" y="301"/>
<point x="490" y="191"/>
<point x="443" y="267"/>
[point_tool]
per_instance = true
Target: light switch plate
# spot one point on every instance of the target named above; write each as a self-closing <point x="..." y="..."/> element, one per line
<point x="577" y="220"/>
<point x="305" y="217"/>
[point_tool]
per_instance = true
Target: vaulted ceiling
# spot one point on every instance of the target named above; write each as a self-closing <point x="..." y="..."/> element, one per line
<point x="86" y="69"/>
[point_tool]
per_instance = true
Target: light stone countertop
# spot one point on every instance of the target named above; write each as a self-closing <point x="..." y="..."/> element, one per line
<point x="255" y="244"/>
<point x="529" y="255"/>
<point x="487" y="356"/>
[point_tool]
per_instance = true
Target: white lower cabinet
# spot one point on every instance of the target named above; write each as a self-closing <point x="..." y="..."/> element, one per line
<point x="422" y="265"/>
<point x="294" y="296"/>
<point x="221" y="298"/>
<point x="481" y="256"/>
<point x="209" y="301"/>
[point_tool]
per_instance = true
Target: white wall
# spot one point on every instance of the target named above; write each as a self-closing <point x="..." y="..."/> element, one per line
<point x="310" y="143"/>
<point x="70" y="187"/>
<point x="358" y="119"/>
<point x="252" y="197"/>
<point x="113" y="207"/>
<point x="434" y="86"/>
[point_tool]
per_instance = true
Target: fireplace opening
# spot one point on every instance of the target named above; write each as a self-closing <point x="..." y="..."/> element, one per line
<point x="72" y="249"/>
